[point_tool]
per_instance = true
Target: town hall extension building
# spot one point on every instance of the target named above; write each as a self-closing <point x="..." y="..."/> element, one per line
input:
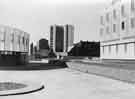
<point x="117" y="30"/>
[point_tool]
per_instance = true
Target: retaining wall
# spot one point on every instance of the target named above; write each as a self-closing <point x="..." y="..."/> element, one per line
<point x="114" y="73"/>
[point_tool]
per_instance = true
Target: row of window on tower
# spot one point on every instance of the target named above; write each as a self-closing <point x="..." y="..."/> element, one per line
<point x="115" y="27"/>
<point x="107" y="29"/>
<point x="116" y="14"/>
<point x="117" y="48"/>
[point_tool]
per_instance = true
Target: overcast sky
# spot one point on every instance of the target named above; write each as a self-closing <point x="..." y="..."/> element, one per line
<point x="36" y="16"/>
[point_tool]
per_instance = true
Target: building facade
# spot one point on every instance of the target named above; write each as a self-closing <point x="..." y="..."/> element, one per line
<point x="117" y="30"/>
<point x="42" y="48"/>
<point x="61" y="38"/>
<point x="68" y="37"/>
<point x="85" y="48"/>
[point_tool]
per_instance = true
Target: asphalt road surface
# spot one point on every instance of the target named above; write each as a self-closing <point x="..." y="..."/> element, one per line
<point x="69" y="84"/>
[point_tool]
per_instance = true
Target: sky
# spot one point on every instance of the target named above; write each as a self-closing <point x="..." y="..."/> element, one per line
<point x="36" y="16"/>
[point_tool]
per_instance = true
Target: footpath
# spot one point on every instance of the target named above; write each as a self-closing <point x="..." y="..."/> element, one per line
<point x="123" y="70"/>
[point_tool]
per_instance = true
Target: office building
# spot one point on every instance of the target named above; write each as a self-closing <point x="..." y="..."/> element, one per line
<point x="117" y="30"/>
<point x="61" y="38"/>
<point x="68" y="37"/>
<point x="42" y="48"/>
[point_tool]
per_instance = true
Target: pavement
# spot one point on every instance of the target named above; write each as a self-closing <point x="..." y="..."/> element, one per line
<point x="112" y="63"/>
<point x="69" y="84"/>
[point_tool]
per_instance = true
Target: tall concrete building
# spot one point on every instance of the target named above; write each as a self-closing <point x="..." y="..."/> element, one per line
<point x="68" y="37"/>
<point x="61" y="38"/>
<point x="117" y="30"/>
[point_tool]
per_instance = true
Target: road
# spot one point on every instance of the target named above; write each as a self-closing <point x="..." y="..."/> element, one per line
<point x="69" y="84"/>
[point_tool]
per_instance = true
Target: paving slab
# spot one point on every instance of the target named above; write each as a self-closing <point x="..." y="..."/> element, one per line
<point x="69" y="84"/>
<point x="123" y="70"/>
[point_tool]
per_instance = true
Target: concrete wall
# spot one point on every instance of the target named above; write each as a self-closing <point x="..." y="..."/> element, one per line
<point x="12" y="39"/>
<point x="116" y="40"/>
<point x="110" y="72"/>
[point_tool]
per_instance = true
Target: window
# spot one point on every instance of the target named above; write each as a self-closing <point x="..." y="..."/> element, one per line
<point x="109" y="48"/>
<point x="122" y="10"/>
<point x="132" y="5"/>
<point x="107" y="30"/>
<point x="117" y="48"/>
<point x="2" y="34"/>
<point x="114" y="27"/>
<point x="101" y="20"/>
<point x="27" y="43"/>
<point x="101" y="32"/>
<point x="103" y="49"/>
<point x="19" y="40"/>
<point x="125" y="47"/>
<point x="132" y="22"/>
<point x="123" y="25"/>
<point x="107" y="17"/>
<point x="114" y="14"/>
<point x="134" y="48"/>
<point x="12" y="37"/>
<point x="23" y="41"/>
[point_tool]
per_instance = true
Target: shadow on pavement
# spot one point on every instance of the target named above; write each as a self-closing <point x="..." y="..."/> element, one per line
<point x="34" y="66"/>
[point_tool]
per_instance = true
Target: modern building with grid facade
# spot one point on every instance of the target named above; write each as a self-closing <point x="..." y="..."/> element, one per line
<point x="61" y="38"/>
<point x="117" y="30"/>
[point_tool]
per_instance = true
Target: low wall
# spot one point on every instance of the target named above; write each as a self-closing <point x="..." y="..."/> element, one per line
<point x="114" y="73"/>
<point x="13" y="60"/>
